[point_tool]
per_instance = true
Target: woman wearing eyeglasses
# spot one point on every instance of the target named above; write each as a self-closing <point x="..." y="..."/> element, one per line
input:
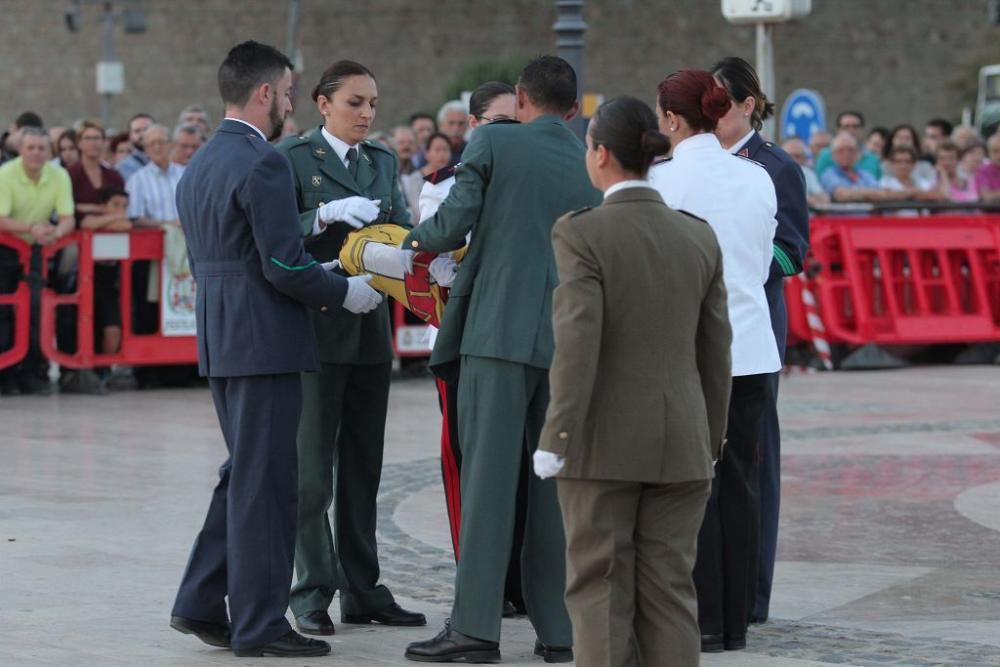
<point x="491" y="102"/>
<point x="343" y="182"/>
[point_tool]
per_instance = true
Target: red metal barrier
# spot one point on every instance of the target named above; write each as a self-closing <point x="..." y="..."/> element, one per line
<point x="20" y="301"/>
<point x="898" y="281"/>
<point x="136" y="349"/>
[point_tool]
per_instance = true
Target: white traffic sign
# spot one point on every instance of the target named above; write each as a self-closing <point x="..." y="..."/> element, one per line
<point x="765" y="11"/>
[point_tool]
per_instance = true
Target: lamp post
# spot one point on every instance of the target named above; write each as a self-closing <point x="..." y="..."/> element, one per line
<point x="110" y="71"/>
<point x="569" y="28"/>
<point x="765" y="13"/>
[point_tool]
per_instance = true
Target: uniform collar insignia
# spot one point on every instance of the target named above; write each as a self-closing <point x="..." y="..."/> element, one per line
<point x="320" y="152"/>
<point x="744" y="152"/>
<point x="316" y="180"/>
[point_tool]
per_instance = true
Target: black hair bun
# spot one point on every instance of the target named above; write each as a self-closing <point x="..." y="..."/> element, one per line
<point x="655" y="143"/>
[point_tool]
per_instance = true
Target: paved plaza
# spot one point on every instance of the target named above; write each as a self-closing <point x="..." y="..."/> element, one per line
<point x="889" y="551"/>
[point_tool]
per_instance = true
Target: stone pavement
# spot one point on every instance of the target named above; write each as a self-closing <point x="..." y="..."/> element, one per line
<point x="889" y="552"/>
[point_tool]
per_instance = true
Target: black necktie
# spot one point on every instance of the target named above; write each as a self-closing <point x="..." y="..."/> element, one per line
<point x="352" y="162"/>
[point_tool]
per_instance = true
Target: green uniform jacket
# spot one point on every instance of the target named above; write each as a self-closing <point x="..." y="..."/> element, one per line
<point x="514" y="181"/>
<point x="321" y="177"/>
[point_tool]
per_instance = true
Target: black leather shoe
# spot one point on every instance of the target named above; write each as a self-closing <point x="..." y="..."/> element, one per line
<point x="554" y="653"/>
<point x="712" y="644"/>
<point x="452" y="646"/>
<point x="391" y="615"/>
<point x="758" y="620"/>
<point x="213" y="634"/>
<point x="315" y="623"/>
<point x="735" y="643"/>
<point x="292" y="645"/>
<point x="509" y="610"/>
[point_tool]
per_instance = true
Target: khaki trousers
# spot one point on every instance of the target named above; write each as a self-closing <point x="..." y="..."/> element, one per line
<point x="631" y="549"/>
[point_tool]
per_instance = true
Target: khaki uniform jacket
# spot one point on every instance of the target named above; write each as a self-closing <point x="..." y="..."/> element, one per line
<point x="513" y="183"/>
<point x="641" y="376"/>
<point x="320" y="177"/>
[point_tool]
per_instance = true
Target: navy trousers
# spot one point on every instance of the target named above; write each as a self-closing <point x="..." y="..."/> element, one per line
<point x="728" y="543"/>
<point x="769" y="476"/>
<point x="246" y="548"/>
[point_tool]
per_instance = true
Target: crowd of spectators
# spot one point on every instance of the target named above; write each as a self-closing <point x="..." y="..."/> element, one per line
<point x="55" y="180"/>
<point x="52" y="179"/>
<point x="946" y="164"/>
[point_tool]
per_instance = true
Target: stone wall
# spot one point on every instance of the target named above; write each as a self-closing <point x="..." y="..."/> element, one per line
<point x="896" y="60"/>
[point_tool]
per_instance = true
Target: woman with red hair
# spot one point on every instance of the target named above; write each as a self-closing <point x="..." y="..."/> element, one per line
<point x="737" y="198"/>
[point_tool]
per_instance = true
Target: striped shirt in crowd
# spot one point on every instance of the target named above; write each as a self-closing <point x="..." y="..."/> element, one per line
<point x="151" y="192"/>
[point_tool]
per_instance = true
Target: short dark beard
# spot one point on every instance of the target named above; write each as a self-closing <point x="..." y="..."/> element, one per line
<point x="277" y="121"/>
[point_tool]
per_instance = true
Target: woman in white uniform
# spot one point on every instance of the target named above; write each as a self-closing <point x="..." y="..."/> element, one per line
<point x="737" y="198"/>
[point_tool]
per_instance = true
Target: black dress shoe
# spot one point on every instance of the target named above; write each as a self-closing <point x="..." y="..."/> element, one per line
<point x="292" y="645"/>
<point x="509" y="610"/>
<point x="712" y="644"/>
<point x="735" y="643"/>
<point x="315" y="623"/>
<point x="554" y="653"/>
<point x="452" y="646"/>
<point x="213" y="634"/>
<point x="391" y="615"/>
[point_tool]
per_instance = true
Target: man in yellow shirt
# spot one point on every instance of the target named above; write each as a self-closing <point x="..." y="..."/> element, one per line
<point x="33" y="193"/>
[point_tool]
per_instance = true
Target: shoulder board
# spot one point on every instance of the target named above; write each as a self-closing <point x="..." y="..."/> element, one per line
<point x="375" y="145"/>
<point x="662" y="159"/>
<point x="292" y="142"/>
<point x="578" y="211"/>
<point x="691" y="215"/>
<point x="751" y="160"/>
<point x="440" y="175"/>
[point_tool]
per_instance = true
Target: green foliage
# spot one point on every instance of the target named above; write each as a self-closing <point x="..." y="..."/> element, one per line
<point x="469" y="76"/>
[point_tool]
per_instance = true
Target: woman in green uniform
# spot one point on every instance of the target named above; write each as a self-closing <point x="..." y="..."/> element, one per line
<point x="343" y="181"/>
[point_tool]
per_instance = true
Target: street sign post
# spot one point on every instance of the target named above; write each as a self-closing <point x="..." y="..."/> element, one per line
<point x="765" y="13"/>
<point x="803" y="113"/>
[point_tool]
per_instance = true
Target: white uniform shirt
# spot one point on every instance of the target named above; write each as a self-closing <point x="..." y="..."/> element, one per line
<point x="737" y="199"/>
<point x="431" y="196"/>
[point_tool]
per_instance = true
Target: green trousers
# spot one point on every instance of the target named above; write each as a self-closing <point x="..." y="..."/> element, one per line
<point x="340" y="443"/>
<point x="501" y="409"/>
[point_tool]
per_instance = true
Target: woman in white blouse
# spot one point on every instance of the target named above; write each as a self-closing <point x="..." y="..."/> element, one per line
<point x="736" y="197"/>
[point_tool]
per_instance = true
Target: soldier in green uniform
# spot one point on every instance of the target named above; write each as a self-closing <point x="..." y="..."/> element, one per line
<point x="343" y="182"/>
<point x="513" y="183"/>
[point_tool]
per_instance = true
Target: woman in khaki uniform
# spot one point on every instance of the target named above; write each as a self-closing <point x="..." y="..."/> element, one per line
<point x="640" y="385"/>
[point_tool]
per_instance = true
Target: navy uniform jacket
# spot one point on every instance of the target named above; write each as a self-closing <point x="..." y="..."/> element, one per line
<point x="236" y="202"/>
<point x="791" y="239"/>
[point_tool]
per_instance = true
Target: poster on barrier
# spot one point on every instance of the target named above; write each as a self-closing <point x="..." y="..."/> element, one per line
<point x="176" y="302"/>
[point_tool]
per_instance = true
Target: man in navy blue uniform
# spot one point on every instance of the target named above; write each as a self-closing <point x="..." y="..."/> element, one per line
<point x="236" y="202"/>
<point x="739" y="132"/>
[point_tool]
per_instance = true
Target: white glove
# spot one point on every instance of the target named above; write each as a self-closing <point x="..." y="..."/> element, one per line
<point x="355" y="211"/>
<point x="407" y="256"/>
<point x="547" y="464"/>
<point x="443" y="270"/>
<point x="361" y="298"/>
<point x="330" y="266"/>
